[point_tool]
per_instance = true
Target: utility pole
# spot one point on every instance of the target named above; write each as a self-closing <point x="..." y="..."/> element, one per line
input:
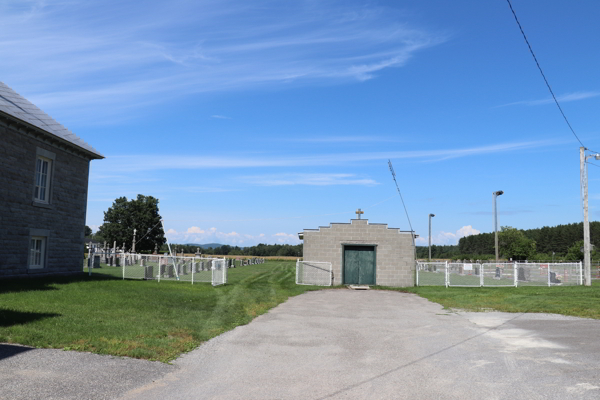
<point x="496" y="194"/>
<point x="430" y="215"/>
<point x="586" y="222"/>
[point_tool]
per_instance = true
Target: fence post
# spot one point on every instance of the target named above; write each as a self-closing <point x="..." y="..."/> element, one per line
<point x="581" y="273"/>
<point x="297" y="264"/>
<point x="193" y="269"/>
<point x="515" y="275"/>
<point x="124" y="263"/>
<point x="481" y="282"/>
<point x="549" y="275"/>
<point x="446" y="273"/>
<point x="417" y="273"/>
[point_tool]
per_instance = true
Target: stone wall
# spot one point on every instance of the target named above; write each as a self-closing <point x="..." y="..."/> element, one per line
<point x="62" y="219"/>
<point x="394" y="251"/>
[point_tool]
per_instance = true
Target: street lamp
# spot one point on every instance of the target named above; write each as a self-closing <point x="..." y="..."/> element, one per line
<point x="430" y="215"/>
<point x="496" y="194"/>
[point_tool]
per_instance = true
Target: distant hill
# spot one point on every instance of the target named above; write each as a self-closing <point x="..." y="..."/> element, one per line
<point x="205" y="246"/>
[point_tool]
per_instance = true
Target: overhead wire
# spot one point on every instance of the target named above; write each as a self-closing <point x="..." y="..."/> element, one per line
<point x="544" y="77"/>
<point x="400" y="193"/>
<point x="412" y="232"/>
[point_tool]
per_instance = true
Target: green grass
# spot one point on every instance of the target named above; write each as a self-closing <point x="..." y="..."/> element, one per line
<point x="158" y="321"/>
<point x="579" y="301"/>
<point x="136" y="318"/>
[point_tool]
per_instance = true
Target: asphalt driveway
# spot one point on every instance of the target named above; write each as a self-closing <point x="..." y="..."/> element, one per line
<point x="342" y="344"/>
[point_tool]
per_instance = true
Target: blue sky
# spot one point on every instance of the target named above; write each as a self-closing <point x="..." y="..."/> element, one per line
<point x="252" y="120"/>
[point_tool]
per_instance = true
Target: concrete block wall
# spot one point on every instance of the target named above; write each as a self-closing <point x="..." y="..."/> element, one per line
<point x="394" y="250"/>
<point x="63" y="217"/>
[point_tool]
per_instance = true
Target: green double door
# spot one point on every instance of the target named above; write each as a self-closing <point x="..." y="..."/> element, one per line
<point x="359" y="265"/>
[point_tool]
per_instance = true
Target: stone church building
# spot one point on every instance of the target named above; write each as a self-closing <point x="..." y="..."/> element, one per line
<point x="43" y="191"/>
<point x="363" y="253"/>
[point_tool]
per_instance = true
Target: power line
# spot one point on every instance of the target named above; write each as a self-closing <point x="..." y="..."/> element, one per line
<point x="544" y="76"/>
<point x="398" y="188"/>
<point x="412" y="232"/>
<point x="595" y="165"/>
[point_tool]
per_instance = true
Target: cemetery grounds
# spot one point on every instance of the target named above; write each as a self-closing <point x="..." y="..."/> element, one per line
<point x="153" y="320"/>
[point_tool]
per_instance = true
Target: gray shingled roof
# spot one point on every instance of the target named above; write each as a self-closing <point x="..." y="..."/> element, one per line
<point x="17" y="106"/>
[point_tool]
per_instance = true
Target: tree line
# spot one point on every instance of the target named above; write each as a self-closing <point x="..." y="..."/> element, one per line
<point x="260" y="250"/>
<point x="546" y="243"/>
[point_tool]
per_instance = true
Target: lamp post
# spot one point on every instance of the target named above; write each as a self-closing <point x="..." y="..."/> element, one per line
<point x="496" y="194"/>
<point x="430" y="215"/>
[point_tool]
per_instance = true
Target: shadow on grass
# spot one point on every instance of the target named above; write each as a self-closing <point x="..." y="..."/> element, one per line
<point x="11" y="317"/>
<point x="46" y="283"/>
<point x="9" y="350"/>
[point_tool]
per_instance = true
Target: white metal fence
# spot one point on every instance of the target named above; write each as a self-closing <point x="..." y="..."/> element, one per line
<point x="493" y="274"/>
<point x="313" y="273"/>
<point x="179" y="268"/>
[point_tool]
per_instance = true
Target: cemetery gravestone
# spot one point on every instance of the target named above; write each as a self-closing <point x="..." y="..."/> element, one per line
<point x="148" y="272"/>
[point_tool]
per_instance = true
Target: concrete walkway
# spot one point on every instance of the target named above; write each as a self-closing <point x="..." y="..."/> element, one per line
<point x="341" y="344"/>
<point x="344" y="344"/>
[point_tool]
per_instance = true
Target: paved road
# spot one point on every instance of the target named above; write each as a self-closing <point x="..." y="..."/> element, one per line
<point x="344" y="344"/>
<point x="28" y="374"/>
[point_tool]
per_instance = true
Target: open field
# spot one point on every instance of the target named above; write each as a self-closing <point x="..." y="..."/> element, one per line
<point x="143" y="319"/>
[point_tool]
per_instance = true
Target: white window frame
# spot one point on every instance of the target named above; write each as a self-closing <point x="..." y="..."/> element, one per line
<point x="37" y="248"/>
<point x="42" y="181"/>
<point x="37" y="252"/>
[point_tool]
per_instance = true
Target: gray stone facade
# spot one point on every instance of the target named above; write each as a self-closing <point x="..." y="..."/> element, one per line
<point x="394" y="251"/>
<point x="58" y="221"/>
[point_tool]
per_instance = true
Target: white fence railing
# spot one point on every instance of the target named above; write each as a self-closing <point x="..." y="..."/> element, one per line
<point x="179" y="268"/>
<point x="491" y="274"/>
<point x="313" y="273"/>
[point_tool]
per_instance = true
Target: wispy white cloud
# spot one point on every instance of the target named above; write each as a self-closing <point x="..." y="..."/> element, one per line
<point x="315" y="179"/>
<point x="77" y="55"/>
<point x="219" y="117"/>
<point x="562" y="99"/>
<point x="343" y="139"/>
<point x="137" y="163"/>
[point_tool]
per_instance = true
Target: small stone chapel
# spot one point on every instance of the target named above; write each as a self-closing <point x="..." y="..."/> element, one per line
<point x="363" y="253"/>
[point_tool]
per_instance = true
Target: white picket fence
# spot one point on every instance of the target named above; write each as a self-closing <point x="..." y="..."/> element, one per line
<point x="492" y="274"/>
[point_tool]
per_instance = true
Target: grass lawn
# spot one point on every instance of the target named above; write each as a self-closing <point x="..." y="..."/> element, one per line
<point x="578" y="301"/>
<point x="158" y="321"/>
<point x="143" y="319"/>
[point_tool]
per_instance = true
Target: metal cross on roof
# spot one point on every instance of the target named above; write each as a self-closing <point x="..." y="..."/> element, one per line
<point x="359" y="212"/>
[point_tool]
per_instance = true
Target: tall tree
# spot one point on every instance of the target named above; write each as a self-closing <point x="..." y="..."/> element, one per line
<point x="513" y="244"/>
<point x="141" y="214"/>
